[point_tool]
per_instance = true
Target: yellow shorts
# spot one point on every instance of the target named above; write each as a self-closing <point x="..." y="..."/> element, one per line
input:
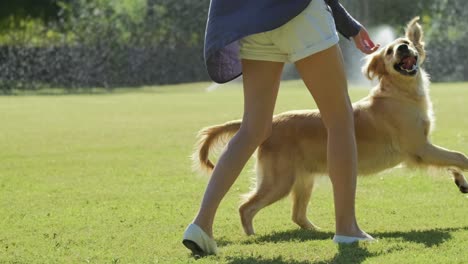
<point x="313" y="30"/>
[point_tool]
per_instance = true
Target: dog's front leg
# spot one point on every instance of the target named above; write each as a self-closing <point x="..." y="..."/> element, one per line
<point x="438" y="156"/>
<point x="460" y="180"/>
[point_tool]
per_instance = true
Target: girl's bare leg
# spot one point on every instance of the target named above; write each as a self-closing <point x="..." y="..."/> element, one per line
<point x="323" y="73"/>
<point x="261" y="83"/>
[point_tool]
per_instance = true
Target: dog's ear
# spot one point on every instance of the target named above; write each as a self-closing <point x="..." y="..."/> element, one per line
<point x="415" y="34"/>
<point x="375" y="66"/>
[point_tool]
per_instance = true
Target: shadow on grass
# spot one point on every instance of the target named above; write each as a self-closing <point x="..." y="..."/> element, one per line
<point x="430" y="238"/>
<point x="291" y="235"/>
<point x="349" y="254"/>
<point x="223" y="241"/>
<point x="256" y="260"/>
<point x="352" y="253"/>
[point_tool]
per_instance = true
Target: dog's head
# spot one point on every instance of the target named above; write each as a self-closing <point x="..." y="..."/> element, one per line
<point x="402" y="57"/>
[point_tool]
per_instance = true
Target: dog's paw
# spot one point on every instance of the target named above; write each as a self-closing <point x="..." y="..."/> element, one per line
<point x="462" y="186"/>
<point x="459" y="180"/>
<point x="307" y="225"/>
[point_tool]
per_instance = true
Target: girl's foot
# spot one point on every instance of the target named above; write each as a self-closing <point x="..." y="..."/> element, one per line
<point x="350" y="239"/>
<point x="196" y="240"/>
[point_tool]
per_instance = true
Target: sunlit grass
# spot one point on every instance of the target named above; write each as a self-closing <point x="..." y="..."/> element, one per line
<point x="107" y="179"/>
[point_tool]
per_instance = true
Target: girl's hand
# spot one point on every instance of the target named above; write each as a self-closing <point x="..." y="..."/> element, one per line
<point x="364" y="43"/>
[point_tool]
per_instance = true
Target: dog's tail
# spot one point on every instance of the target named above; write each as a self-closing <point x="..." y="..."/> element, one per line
<point x="211" y="138"/>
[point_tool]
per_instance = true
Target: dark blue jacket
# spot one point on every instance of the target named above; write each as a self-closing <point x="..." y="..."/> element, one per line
<point x="231" y="20"/>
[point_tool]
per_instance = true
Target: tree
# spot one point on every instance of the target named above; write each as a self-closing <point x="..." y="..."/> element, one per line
<point x="20" y="9"/>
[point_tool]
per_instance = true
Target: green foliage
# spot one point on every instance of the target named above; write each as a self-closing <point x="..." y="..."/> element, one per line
<point x="164" y="22"/>
<point x="107" y="179"/>
<point x="112" y="43"/>
<point x="106" y="43"/>
<point x="448" y="40"/>
<point x="444" y="24"/>
<point x="21" y="9"/>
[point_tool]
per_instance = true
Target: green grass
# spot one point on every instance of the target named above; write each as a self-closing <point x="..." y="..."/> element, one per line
<point x="107" y="179"/>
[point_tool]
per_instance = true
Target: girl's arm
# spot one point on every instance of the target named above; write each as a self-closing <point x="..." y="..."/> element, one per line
<point x="345" y="23"/>
<point x="351" y="28"/>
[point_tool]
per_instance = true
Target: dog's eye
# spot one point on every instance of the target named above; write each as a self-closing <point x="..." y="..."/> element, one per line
<point x="389" y="51"/>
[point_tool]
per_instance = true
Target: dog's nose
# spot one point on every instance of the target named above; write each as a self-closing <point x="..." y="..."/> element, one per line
<point x="403" y="48"/>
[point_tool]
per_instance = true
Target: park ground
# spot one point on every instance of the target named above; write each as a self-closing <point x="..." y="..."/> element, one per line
<point x="106" y="178"/>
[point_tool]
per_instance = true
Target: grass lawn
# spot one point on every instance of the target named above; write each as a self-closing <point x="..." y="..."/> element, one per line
<point x="107" y="179"/>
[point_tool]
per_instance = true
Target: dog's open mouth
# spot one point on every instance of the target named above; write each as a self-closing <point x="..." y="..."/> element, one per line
<point x="408" y="65"/>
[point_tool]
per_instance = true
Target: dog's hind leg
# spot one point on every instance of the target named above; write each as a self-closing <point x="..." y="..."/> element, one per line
<point x="274" y="182"/>
<point x="460" y="180"/>
<point x="300" y="195"/>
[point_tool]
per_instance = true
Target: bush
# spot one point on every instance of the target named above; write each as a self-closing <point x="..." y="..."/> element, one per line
<point x="104" y="44"/>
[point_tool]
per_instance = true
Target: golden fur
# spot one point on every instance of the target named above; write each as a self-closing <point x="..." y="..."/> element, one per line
<point x="392" y="127"/>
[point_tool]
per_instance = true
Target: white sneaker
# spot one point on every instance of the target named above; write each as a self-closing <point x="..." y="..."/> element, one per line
<point x="198" y="241"/>
<point x="349" y="239"/>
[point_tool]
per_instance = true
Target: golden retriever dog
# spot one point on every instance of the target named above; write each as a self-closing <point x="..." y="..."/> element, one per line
<point x="392" y="125"/>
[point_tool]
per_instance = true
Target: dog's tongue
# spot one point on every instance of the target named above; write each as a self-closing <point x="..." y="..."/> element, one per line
<point x="408" y="62"/>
